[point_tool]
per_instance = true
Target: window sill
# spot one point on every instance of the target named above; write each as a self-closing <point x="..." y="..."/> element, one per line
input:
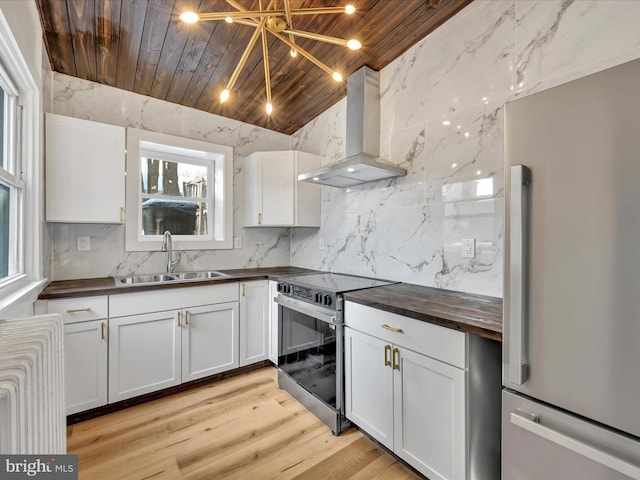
<point x="19" y="290"/>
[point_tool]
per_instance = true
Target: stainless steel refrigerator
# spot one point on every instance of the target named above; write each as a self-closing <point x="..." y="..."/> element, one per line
<point x="571" y="341"/>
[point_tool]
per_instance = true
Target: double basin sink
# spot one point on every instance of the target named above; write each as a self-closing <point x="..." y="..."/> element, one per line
<point x="157" y="278"/>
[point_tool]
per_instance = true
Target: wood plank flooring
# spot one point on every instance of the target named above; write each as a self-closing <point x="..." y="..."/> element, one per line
<point x="243" y="427"/>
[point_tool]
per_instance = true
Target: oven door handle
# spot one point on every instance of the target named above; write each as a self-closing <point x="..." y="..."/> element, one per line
<point x="325" y="315"/>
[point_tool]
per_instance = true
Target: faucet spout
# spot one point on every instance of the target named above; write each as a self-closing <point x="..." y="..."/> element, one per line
<point x="167" y="246"/>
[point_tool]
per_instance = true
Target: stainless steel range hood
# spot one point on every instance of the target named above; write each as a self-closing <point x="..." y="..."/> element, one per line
<point x="363" y="163"/>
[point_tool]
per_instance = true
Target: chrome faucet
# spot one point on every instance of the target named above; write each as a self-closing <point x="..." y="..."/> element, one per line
<point x="167" y="246"/>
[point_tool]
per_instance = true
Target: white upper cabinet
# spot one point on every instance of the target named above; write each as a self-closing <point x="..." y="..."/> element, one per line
<point x="273" y="197"/>
<point x="85" y="165"/>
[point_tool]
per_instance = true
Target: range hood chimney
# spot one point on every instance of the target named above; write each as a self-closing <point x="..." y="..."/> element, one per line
<point x="363" y="163"/>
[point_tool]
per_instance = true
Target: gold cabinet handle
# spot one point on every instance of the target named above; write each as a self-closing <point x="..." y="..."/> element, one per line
<point x="387" y="355"/>
<point x="396" y="363"/>
<point x="244" y="289"/>
<point x="387" y="327"/>
<point x="186" y="317"/>
<point x="121" y="214"/>
<point x="259" y="219"/>
<point x="77" y="310"/>
<point x="179" y="318"/>
<point x="103" y="332"/>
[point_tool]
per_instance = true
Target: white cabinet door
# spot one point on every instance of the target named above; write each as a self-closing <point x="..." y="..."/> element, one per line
<point x="144" y="354"/>
<point x="254" y="326"/>
<point x="252" y="191"/>
<point x="273" y="322"/>
<point x="273" y="197"/>
<point x="84" y="171"/>
<point x="369" y="385"/>
<point x="429" y="414"/>
<point x="209" y="340"/>
<point x="85" y="365"/>
<point x="278" y="189"/>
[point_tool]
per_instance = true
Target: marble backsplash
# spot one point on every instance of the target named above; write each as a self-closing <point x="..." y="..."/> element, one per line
<point x="442" y="119"/>
<point x="74" y="97"/>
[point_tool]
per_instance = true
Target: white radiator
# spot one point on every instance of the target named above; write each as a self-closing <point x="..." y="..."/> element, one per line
<point x="32" y="415"/>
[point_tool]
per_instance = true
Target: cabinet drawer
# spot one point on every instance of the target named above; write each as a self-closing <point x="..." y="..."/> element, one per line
<point x="437" y="342"/>
<point x="171" y="299"/>
<point x="79" y="309"/>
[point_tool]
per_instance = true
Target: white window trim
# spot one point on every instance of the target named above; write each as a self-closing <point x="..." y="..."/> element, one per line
<point x="26" y="284"/>
<point x="221" y="237"/>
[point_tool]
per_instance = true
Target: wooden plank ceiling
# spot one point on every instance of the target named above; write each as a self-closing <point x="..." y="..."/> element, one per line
<point x="141" y="46"/>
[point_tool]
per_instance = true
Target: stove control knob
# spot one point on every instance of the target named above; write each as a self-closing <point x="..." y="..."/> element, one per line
<point x="317" y="298"/>
<point x="327" y="300"/>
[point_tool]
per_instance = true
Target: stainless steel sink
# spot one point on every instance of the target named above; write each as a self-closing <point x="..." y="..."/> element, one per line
<point x="199" y="275"/>
<point x="155" y="278"/>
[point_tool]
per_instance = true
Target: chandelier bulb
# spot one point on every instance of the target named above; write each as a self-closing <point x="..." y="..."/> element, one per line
<point x="349" y="9"/>
<point x="337" y="77"/>
<point x="354" y="44"/>
<point x="228" y="20"/>
<point x="293" y="52"/>
<point x="224" y="96"/>
<point x="189" y="17"/>
<point x="269" y="108"/>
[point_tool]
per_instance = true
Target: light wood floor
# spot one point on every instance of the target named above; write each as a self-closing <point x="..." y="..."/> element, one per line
<point x="243" y="427"/>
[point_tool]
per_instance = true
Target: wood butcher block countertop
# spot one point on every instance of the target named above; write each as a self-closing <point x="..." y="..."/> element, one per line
<point x="467" y="312"/>
<point x="103" y="286"/>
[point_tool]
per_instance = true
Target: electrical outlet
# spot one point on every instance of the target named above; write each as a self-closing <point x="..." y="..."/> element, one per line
<point x="468" y="248"/>
<point x="84" y="244"/>
<point x="321" y="243"/>
<point x="237" y="242"/>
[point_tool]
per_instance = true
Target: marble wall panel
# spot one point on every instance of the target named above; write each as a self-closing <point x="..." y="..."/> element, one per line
<point x="442" y="119"/>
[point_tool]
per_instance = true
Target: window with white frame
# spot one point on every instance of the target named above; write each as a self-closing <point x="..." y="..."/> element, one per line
<point x="11" y="184"/>
<point x="178" y="185"/>
<point x="20" y="175"/>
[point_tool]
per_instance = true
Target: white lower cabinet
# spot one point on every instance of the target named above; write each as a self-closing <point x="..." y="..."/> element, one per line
<point x="273" y="322"/>
<point x="195" y="335"/>
<point x="429" y="416"/>
<point x="85" y="365"/>
<point x="254" y="322"/>
<point x="144" y="354"/>
<point x="410" y="401"/>
<point x="85" y="349"/>
<point x="369" y="386"/>
<point x="209" y="340"/>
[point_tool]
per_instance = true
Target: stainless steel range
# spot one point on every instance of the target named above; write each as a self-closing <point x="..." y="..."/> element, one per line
<point x="310" y="341"/>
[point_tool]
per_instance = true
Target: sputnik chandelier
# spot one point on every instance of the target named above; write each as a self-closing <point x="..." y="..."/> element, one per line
<point x="276" y="22"/>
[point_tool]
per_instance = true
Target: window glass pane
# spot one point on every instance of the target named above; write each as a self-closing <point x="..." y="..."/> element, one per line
<point x="5" y="200"/>
<point x="178" y="179"/>
<point x="178" y="217"/>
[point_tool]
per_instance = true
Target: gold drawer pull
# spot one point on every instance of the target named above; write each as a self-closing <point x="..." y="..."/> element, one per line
<point x="259" y="219"/>
<point x="77" y="310"/>
<point x="396" y="363"/>
<point x="102" y="331"/>
<point x="179" y="318"/>
<point x="121" y="214"/>
<point x="186" y="317"/>
<point x="387" y="327"/>
<point x="387" y="355"/>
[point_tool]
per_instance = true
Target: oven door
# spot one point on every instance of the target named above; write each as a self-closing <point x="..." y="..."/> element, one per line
<point x="308" y="337"/>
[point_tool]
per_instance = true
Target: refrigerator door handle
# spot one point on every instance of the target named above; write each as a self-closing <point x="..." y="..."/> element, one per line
<point x="531" y="423"/>
<point x="518" y="274"/>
